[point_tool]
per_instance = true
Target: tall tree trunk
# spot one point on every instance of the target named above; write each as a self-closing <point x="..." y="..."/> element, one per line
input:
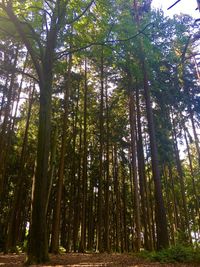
<point x="145" y="206"/>
<point x="57" y="209"/>
<point x="16" y="210"/>
<point x="116" y="199"/>
<point x="196" y="202"/>
<point x="160" y="213"/>
<point x="100" y="199"/>
<point x="19" y="93"/>
<point x="132" y="116"/>
<point x="107" y="184"/>
<point x="84" y="174"/>
<point x="38" y="247"/>
<point x="76" y="188"/>
<point x="77" y="206"/>
<point x="185" y="222"/>
<point x="5" y="125"/>
<point x="174" y="199"/>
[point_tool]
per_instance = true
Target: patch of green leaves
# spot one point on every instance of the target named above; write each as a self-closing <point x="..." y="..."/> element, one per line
<point x="174" y="254"/>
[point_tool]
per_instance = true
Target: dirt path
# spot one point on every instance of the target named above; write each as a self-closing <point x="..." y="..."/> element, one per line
<point x="87" y="260"/>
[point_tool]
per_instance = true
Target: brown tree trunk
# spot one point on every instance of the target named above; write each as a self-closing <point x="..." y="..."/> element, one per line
<point x="160" y="213"/>
<point x="132" y="116"/>
<point x="100" y="198"/>
<point x="107" y="184"/>
<point x="145" y="206"/>
<point x="57" y="209"/>
<point x="116" y="200"/>
<point x="5" y="125"/>
<point x="15" y="219"/>
<point x="84" y="174"/>
<point x="76" y="184"/>
<point x="196" y="202"/>
<point x="185" y="221"/>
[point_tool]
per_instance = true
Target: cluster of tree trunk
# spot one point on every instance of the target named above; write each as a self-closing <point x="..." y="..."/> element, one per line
<point x="90" y="160"/>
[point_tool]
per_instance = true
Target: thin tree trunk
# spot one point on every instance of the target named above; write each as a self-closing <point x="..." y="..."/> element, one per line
<point x="160" y="213"/>
<point x="84" y="174"/>
<point x="76" y="188"/>
<point x="185" y="222"/>
<point x="100" y="199"/>
<point x="107" y="187"/>
<point x="5" y="124"/>
<point x="134" y="169"/>
<point x="197" y="207"/>
<point x="117" y="199"/>
<point x="16" y="210"/>
<point x="146" y="220"/>
<point x="57" y="209"/>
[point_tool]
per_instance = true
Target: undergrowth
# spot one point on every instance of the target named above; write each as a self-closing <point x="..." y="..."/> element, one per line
<point x="174" y="254"/>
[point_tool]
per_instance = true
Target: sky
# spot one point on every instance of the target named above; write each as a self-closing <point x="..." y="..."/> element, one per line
<point x="184" y="6"/>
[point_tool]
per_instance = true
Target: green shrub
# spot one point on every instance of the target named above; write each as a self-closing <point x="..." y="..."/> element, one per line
<point x="178" y="253"/>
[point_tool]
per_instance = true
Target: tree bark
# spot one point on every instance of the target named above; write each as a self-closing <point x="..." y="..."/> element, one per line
<point x="57" y="209"/>
<point x="84" y="174"/>
<point x="132" y="116"/>
<point x="16" y="210"/>
<point x="160" y="213"/>
<point x="101" y="121"/>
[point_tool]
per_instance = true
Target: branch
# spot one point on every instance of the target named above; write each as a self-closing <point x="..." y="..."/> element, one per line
<point x="10" y="68"/>
<point x="34" y="36"/>
<point x="67" y="52"/>
<point x="174" y="4"/>
<point x="79" y="16"/>
<point x="185" y="49"/>
<point x="20" y="30"/>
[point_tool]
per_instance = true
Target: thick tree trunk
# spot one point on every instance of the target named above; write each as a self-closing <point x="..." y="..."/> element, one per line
<point x="38" y="247"/>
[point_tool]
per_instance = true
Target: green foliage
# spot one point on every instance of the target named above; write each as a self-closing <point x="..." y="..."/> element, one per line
<point x="174" y="254"/>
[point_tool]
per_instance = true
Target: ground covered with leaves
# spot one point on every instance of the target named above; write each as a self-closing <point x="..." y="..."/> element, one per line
<point x="90" y="259"/>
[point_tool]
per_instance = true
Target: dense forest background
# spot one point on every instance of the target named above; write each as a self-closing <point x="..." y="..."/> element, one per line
<point x="99" y="127"/>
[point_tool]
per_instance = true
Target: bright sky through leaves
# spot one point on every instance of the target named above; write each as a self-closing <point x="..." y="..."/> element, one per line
<point x="184" y="6"/>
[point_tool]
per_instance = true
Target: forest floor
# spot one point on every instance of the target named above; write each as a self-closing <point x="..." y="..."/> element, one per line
<point x="88" y="260"/>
